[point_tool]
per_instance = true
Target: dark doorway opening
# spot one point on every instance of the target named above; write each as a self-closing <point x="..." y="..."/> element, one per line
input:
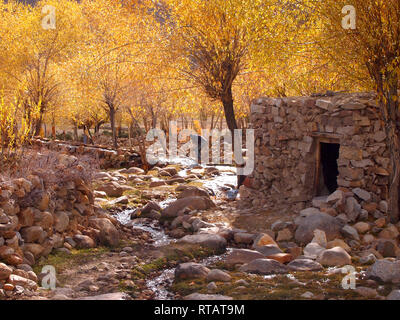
<point x="329" y="171"/>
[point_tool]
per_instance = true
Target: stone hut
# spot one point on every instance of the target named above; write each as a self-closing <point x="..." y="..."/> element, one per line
<point x="308" y="147"/>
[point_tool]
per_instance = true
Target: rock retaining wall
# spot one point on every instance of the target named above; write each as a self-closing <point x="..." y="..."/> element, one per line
<point x="107" y="158"/>
<point x="36" y="219"/>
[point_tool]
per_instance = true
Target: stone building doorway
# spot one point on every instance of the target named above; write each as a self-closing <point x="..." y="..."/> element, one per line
<point x="327" y="171"/>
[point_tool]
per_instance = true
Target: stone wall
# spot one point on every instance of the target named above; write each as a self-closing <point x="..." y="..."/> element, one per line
<point x="106" y="157"/>
<point x="36" y="219"/>
<point x="288" y="133"/>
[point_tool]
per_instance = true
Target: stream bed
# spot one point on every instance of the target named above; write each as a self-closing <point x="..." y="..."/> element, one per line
<point x="220" y="184"/>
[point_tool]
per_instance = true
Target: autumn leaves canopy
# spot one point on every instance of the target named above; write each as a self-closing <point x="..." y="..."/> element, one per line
<point x="145" y="63"/>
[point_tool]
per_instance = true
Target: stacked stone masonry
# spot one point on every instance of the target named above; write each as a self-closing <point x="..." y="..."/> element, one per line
<point x="288" y="132"/>
<point x="36" y="220"/>
<point x="107" y="158"/>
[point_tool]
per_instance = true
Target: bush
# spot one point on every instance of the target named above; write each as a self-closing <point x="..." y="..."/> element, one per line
<point x="54" y="168"/>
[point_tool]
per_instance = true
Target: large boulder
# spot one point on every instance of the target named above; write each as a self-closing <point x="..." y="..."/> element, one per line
<point x="304" y="265"/>
<point x="150" y="206"/>
<point x="264" y="267"/>
<point x="242" y="256"/>
<point x="394" y="295"/>
<point x="109" y="235"/>
<point x="313" y="250"/>
<point x="191" y="191"/>
<point x="193" y="203"/>
<point x="191" y="270"/>
<point x="322" y="221"/>
<point x="218" y="275"/>
<point x="5" y="271"/>
<point x="211" y="241"/>
<point x="334" y="257"/>
<point x="263" y="239"/>
<point x="84" y="242"/>
<point x="268" y="250"/>
<point x="23" y="282"/>
<point x="112" y="189"/>
<point x="385" y="270"/>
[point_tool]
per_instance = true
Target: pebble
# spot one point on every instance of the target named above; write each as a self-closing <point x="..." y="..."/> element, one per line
<point x="212" y="287"/>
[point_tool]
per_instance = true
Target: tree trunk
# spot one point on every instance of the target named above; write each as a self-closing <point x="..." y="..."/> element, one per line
<point x="393" y="135"/>
<point x="97" y="127"/>
<point x="227" y="102"/>
<point x="113" y="128"/>
<point x="38" y="125"/>
<point x="387" y="88"/>
<point x="76" y="132"/>
<point x="395" y="174"/>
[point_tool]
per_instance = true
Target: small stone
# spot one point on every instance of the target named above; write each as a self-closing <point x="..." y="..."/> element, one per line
<point x="305" y="265"/>
<point x="296" y="252"/>
<point x="268" y="250"/>
<point x="241" y="256"/>
<point x="8" y="287"/>
<point x="263" y="239"/>
<point x="368" y="238"/>
<point x="336" y="197"/>
<point x="362" y="227"/>
<point x="199" y="296"/>
<point x="218" y="275"/>
<point x="385" y="270"/>
<point x="211" y="287"/>
<point x="243" y="238"/>
<point x="350" y="232"/>
<point x="191" y="270"/>
<point x="211" y="241"/>
<point x="84" y="242"/>
<point x="23" y="282"/>
<point x="307" y="295"/>
<point x="387" y="248"/>
<point x="241" y="282"/>
<point x="352" y="208"/>
<point x="381" y="222"/>
<point x="281" y="257"/>
<point x="390" y="232"/>
<point x="383" y="206"/>
<point x="366" y="292"/>
<point x="264" y="267"/>
<point x="320" y="238"/>
<point x="368" y="259"/>
<point x="394" y="295"/>
<point x="313" y="250"/>
<point x="362" y="194"/>
<point x="284" y="235"/>
<point x="5" y="271"/>
<point x="338" y="243"/>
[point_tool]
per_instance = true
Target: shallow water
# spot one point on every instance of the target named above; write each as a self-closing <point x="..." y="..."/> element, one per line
<point x="152" y="227"/>
<point x="219" y="184"/>
<point x="160" y="285"/>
